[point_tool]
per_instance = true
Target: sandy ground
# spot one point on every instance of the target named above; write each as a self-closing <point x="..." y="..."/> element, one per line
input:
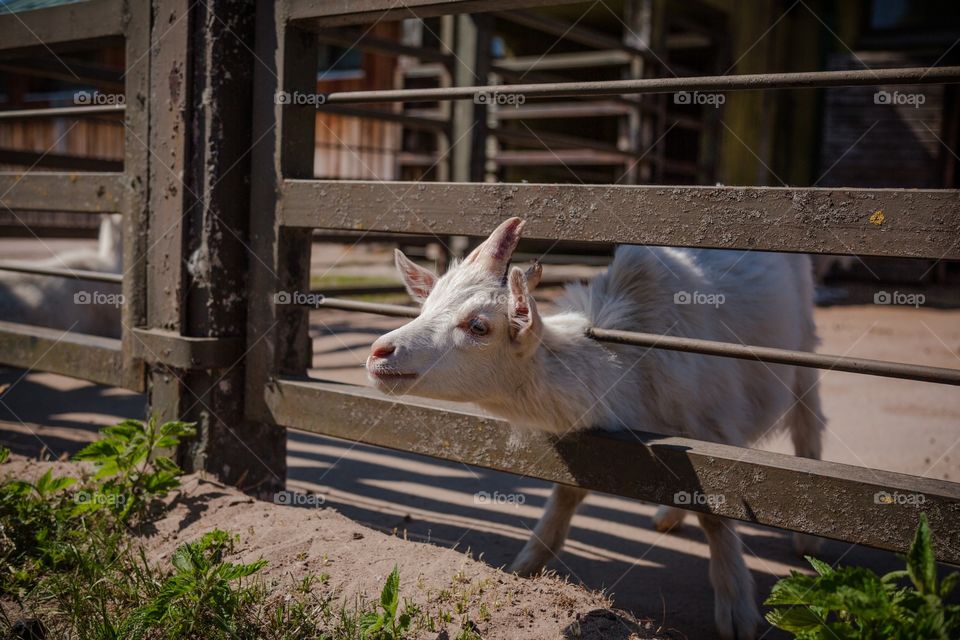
<point x="889" y="424"/>
<point x="302" y="541"/>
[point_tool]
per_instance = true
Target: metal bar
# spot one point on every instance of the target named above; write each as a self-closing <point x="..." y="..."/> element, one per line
<point x="64" y="23"/>
<point x="811" y="496"/>
<point x="87" y="357"/>
<point x="411" y="122"/>
<point x="356" y="39"/>
<point x="62" y="112"/>
<point x="747" y="82"/>
<point x="578" y="60"/>
<point x="560" y="142"/>
<point x="65" y="192"/>
<point x="575" y="33"/>
<point x="866" y="366"/>
<point x="917" y="223"/>
<point x="93" y="276"/>
<point x="328" y="13"/>
<point x="65" y="69"/>
<point x="69" y="162"/>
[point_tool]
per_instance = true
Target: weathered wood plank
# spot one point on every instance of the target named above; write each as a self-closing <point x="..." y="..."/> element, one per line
<point x="62" y="192"/>
<point x="915" y="223"/>
<point x="92" y="358"/>
<point x="811" y="496"/>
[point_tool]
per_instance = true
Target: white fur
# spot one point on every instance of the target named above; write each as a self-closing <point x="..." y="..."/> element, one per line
<point x="545" y="373"/>
<point x="48" y="301"/>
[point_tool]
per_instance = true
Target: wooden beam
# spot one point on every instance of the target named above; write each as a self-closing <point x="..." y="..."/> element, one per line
<point x="919" y="223"/>
<point x="63" y="23"/>
<point x="92" y="358"/>
<point x="828" y="499"/>
<point x="64" y="192"/>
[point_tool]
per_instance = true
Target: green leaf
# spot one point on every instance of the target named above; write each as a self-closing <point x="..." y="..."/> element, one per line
<point x="390" y="596"/>
<point x="819" y="566"/>
<point x="4" y="454"/>
<point x="920" y="560"/>
<point x="795" y="619"/>
<point x="370" y="623"/>
<point x="948" y="584"/>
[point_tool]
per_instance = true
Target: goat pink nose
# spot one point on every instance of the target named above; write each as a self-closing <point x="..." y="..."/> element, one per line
<point x="382" y="350"/>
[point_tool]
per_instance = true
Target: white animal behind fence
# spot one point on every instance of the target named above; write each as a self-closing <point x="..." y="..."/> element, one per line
<point x="81" y="306"/>
<point x="480" y="338"/>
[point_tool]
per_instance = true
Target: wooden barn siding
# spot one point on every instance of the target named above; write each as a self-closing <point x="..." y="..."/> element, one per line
<point x="360" y="148"/>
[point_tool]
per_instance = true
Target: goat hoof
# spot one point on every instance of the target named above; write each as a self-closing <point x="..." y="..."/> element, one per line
<point x="526" y="566"/>
<point x="666" y="518"/>
<point x="805" y="544"/>
<point x="736" y="619"/>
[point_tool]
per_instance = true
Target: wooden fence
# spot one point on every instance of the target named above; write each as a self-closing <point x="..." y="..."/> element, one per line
<point x="238" y="363"/>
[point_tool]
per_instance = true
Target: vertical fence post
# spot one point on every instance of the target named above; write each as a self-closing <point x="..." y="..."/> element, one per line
<point x="277" y="336"/>
<point x="136" y="192"/>
<point x="198" y="260"/>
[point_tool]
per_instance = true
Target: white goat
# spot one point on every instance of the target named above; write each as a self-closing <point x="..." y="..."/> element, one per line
<point x="81" y="306"/>
<point x="480" y="338"/>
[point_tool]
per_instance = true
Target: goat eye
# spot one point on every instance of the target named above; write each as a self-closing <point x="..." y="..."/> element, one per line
<point x="477" y="327"/>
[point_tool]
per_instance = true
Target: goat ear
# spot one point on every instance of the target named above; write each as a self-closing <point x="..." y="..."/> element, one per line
<point x="419" y="281"/>
<point x="495" y="252"/>
<point x="533" y="274"/>
<point x="525" y="323"/>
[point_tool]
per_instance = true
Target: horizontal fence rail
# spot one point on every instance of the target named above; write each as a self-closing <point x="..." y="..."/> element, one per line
<point x="916" y="223"/>
<point x="92" y="358"/>
<point x="75" y="274"/>
<point x="62" y="112"/>
<point x="811" y="496"/>
<point x="70" y="22"/>
<point x="328" y="13"/>
<point x="62" y="192"/>
<point x="708" y="347"/>
<point x="746" y="82"/>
